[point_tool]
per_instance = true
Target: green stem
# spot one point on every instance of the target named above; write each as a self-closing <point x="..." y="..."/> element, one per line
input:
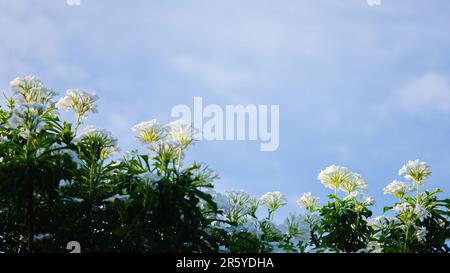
<point x="77" y="124"/>
<point x="417" y="196"/>
<point x="179" y="160"/>
<point x="405" y="245"/>
<point x="29" y="198"/>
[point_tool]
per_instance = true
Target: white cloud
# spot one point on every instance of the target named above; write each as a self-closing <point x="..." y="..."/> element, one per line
<point x="425" y="94"/>
<point x="32" y="43"/>
<point x="210" y="73"/>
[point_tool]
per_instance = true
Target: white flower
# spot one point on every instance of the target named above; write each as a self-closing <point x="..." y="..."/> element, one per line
<point x="28" y="118"/>
<point x="101" y="137"/>
<point x="403" y="208"/>
<point x="63" y="150"/>
<point x="30" y="90"/>
<point x="181" y="133"/>
<point x="223" y="249"/>
<point x="420" y="212"/>
<point x="76" y="200"/>
<point x="237" y="207"/>
<point x="26" y="88"/>
<point x="1" y="159"/>
<point x="81" y="102"/>
<point x="308" y="202"/>
<point x="117" y="197"/>
<point x="252" y="227"/>
<point x="421" y="233"/>
<point x="26" y="82"/>
<point x="149" y="131"/>
<point x="313" y="219"/>
<point x="149" y="178"/>
<point x="221" y="200"/>
<point x="351" y="195"/>
<point x="397" y="188"/>
<point x="409" y="214"/>
<point x="298" y="230"/>
<point x="334" y="176"/>
<point x="73" y="200"/>
<point x="374" y="247"/>
<point x="377" y="222"/>
<point x="354" y="183"/>
<point x="273" y="200"/>
<point x="369" y="201"/>
<point x="415" y="170"/>
<point x="3" y="140"/>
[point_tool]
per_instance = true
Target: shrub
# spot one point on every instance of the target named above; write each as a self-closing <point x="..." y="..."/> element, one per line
<point x="62" y="181"/>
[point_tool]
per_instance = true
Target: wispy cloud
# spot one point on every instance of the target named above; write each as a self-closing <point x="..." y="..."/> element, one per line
<point x="429" y="93"/>
<point x="210" y="73"/>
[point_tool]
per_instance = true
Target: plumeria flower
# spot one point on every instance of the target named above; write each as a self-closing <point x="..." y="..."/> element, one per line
<point x="252" y="227"/>
<point x="421" y="233"/>
<point x="181" y="133"/>
<point x="26" y="83"/>
<point x="403" y="208"/>
<point x="352" y="195"/>
<point x="81" y="102"/>
<point x="117" y="197"/>
<point x="420" y="212"/>
<point x="397" y="188"/>
<point x="149" y="178"/>
<point x="3" y="140"/>
<point x="308" y="202"/>
<point x="334" y="176"/>
<point x="369" y="201"/>
<point x="410" y="214"/>
<point x="34" y="101"/>
<point x="377" y="222"/>
<point x="28" y="118"/>
<point x="221" y="200"/>
<point x="296" y="228"/>
<point x="273" y="200"/>
<point x="63" y="150"/>
<point x="415" y="170"/>
<point x="374" y="247"/>
<point x="240" y="205"/>
<point x="101" y="137"/>
<point x="149" y="131"/>
<point x="30" y="90"/>
<point x="354" y="183"/>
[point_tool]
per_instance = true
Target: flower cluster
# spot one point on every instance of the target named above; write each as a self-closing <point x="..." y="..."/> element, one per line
<point x="273" y="200"/>
<point x="178" y="134"/>
<point x="33" y="103"/>
<point x="101" y="138"/>
<point x="341" y="178"/>
<point x="397" y="188"/>
<point x="308" y="202"/>
<point x="416" y="171"/>
<point x="149" y="131"/>
<point x="81" y="102"/>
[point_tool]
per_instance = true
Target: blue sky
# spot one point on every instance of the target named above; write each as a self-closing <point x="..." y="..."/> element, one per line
<point x="360" y="86"/>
